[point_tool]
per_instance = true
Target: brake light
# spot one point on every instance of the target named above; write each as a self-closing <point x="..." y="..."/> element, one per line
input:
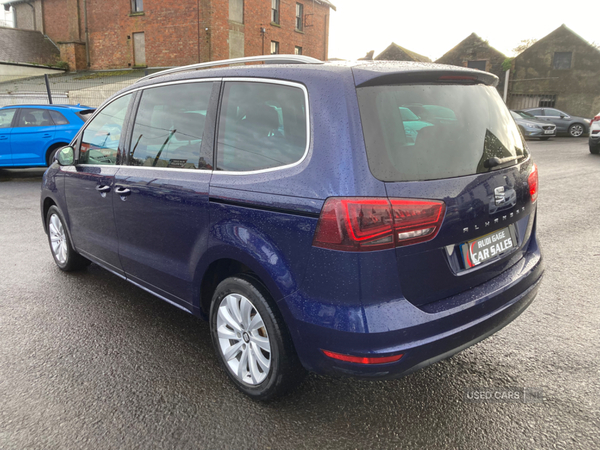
<point x="365" y="224"/>
<point x="457" y="78"/>
<point x="363" y="360"/>
<point x="533" y="182"/>
<point x="595" y="119"/>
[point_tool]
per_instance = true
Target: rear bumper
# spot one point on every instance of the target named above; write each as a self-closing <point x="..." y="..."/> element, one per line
<point x="425" y="334"/>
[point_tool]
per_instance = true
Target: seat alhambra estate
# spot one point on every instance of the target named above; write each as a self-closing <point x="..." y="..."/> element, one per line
<point x="291" y="205"/>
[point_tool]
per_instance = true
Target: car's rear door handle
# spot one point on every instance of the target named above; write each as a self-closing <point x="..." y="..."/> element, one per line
<point x="122" y="192"/>
<point x="3" y="138"/>
<point x="47" y="135"/>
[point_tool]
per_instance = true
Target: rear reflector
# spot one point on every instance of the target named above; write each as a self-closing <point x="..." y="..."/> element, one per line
<point x="365" y="224"/>
<point x="533" y="182"/>
<point x="363" y="360"/>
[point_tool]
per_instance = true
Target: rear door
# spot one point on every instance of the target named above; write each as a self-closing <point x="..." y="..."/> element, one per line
<point x="6" y="120"/>
<point x="161" y="193"/>
<point x="558" y="118"/>
<point x="471" y="157"/>
<point x="89" y="185"/>
<point x="31" y="136"/>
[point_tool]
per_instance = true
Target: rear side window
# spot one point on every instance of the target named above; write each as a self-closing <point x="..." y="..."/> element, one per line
<point x="429" y="132"/>
<point x="58" y="118"/>
<point x="262" y="126"/>
<point x="169" y="127"/>
<point x="6" y="117"/>
<point x="34" y="118"/>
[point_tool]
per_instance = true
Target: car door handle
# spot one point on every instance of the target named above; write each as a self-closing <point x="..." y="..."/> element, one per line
<point x="122" y="191"/>
<point x="102" y="188"/>
<point x="46" y="136"/>
<point x="3" y="138"/>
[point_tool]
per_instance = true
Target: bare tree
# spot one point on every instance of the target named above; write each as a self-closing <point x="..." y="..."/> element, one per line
<point x="524" y="45"/>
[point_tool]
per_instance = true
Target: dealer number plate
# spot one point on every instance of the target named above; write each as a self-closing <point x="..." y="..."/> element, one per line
<point x="490" y="246"/>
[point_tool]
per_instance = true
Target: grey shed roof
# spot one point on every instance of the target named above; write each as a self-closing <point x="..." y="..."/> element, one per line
<point x="26" y="46"/>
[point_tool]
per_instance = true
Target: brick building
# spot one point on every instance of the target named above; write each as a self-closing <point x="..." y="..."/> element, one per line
<point x="111" y="34"/>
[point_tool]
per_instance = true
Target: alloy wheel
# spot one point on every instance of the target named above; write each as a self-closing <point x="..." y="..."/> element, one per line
<point x="58" y="239"/>
<point x="576" y="130"/>
<point x="243" y="339"/>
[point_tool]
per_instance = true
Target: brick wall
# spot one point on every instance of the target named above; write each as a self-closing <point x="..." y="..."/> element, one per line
<point x="179" y="32"/>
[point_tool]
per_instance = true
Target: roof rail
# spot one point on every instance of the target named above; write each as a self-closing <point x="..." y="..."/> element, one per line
<point x="267" y="59"/>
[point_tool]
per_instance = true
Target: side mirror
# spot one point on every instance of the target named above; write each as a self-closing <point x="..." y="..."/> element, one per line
<point x="65" y="156"/>
<point x="562" y="116"/>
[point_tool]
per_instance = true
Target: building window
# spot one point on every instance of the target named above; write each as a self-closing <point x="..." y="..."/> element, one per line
<point x="274" y="48"/>
<point x="137" y="5"/>
<point x="236" y="10"/>
<point x="480" y="65"/>
<point x="562" y="60"/>
<point x="299" y="16"/>
<point x="298" y="50"/>
<point x="275" y="11"/>
<point x="139" y="49"/>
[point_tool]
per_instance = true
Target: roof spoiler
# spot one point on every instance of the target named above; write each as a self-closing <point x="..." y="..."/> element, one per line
<point x="365" y="77"/>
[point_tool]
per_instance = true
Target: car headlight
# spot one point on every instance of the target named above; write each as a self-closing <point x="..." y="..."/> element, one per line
<point x="532" y="125"/>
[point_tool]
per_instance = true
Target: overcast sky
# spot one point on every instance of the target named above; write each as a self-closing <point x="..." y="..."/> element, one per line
<point x="432" y="27"/>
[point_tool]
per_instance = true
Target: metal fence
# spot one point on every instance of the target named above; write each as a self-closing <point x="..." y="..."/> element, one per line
<point x="85" y="88"/>
<point x="527" y="101"/>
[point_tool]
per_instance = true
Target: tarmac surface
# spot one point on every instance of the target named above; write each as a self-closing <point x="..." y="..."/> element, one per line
<point x="89" y="361"/>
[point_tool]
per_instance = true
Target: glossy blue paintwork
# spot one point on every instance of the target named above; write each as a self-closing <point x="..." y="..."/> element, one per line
<point x="29" y="146"/>
<point x="415" y="300"/>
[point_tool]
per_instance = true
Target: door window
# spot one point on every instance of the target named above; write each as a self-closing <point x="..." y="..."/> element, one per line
<point x="100" y="140"/>
<point x="261" y="126"/>
<point x="553" y="113"/>
<point x="169" y="127"/>
<point x="34" y="118"/>
<point x="6" y="117"/>
<point x="58" y="118"/>
<point x="536" y="112"/>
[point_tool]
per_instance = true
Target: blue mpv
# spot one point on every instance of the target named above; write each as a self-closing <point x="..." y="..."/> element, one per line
<point x="295" y="206"/>
<point x="30" y="135"/>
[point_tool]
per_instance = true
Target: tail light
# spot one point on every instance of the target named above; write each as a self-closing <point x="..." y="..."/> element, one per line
<point x="595" y="119"/>
<point x="365" y="224"/>
<point x="533" y="182"/>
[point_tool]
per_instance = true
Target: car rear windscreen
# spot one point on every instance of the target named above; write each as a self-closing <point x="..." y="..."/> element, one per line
<point x="433" y="131"/>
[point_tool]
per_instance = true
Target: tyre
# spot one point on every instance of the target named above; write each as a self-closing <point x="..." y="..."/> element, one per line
<point x="51" y="152"/>
<point x="594" y="149"/>
<point x="251" y="340"/>
<point x="65" y="257"/>
<point x="576" y="130"/>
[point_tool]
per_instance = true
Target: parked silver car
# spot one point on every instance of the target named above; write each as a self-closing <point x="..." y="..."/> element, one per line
<point x="533" y="128"/>
<point x="565" y="123"/>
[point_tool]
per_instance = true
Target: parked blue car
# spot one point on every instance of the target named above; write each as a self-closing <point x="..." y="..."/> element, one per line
<point x="286" y="204"/>
<point x="31" y="134"/>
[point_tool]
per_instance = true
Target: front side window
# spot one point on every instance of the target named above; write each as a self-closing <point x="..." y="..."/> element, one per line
<point x="6" y="117"/>
<point x="274" y="48"/>
<point x="169" y="127"/>
<point x="34" y="118"/>
<point x="137" y="5"/>
<point x="562" y="60"/>
<point x="428" y="132"/>
<point x="275" y="11"/>
<point x="299" y="16"/>
<point x="553" y="112"/>
<point x="261" y="126"/>
<point x="101" y="137"/>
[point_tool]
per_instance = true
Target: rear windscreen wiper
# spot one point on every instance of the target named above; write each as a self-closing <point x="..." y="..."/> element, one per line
<point x="496" y="162"/>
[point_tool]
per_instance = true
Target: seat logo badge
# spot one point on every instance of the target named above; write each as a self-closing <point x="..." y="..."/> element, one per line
<point x="499" y="195"/>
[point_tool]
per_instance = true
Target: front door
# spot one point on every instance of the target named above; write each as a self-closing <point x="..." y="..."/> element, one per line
<point x="31" y="137"/>
<point x="89" y="186"/>
<point x="161" y="193"/>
